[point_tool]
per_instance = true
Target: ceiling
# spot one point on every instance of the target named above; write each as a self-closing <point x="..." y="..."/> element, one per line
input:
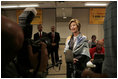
<point x="52" y="4"/>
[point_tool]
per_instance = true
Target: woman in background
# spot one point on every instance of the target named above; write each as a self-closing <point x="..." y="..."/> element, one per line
<point x="92" y="42"/>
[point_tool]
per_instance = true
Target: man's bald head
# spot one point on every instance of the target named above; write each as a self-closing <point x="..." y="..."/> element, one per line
<point x="53" y="28"/>
<point x="100" y="44"/>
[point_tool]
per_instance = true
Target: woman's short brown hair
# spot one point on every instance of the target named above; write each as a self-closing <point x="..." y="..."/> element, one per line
<point x="77" y="22"/>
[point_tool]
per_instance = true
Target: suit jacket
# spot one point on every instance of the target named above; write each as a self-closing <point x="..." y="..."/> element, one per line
<point x="37" y="37"/>
<point x="56" y="39"/>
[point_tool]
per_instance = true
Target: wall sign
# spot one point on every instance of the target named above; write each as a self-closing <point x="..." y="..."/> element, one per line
<point x="97" y="15"/>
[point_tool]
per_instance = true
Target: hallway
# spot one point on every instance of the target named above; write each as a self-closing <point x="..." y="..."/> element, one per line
<point x="54" y="72"/>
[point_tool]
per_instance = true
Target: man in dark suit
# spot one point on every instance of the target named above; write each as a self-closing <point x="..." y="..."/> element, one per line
<point x="54" y="38"/>
<point x="40" y="34"/>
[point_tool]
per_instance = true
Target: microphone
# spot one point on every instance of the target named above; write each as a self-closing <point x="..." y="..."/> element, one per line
<point x="69" y="56"/>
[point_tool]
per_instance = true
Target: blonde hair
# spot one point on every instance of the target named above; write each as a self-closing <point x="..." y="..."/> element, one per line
<point x="77" y="23"/>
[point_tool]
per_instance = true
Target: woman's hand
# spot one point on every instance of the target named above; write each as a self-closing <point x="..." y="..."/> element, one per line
<point x="75" y="60"/>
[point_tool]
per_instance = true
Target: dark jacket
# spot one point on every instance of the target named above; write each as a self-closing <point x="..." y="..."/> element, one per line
<point x="37" y="37"/>
<point x="56" y="39"/>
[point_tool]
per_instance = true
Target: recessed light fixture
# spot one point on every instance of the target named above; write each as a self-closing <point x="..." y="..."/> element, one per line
<point x="96" y="4"/>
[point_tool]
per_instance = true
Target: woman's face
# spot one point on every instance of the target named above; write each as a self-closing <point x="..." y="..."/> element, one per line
<point x="73" y="27"/>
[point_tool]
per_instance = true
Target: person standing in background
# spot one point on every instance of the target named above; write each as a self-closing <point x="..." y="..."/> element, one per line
<point x="92" y="42"/>
<point x="40" y="34"/>
<point x="54" y="38"/>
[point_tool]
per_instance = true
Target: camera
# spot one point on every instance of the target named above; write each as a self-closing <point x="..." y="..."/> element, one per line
<point x="23" y="62"/>
<point x="25" y="20"/>
<point x="37" y="46"/>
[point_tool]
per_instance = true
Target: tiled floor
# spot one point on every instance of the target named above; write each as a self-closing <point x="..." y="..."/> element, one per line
<point x="54" y="72"/>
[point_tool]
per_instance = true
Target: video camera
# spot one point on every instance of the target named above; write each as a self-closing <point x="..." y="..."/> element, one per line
<point x="25" y="20"/>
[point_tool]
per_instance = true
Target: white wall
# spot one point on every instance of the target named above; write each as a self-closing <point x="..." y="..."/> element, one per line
<point x="62" y="28"/>
<point x="49" y="16"/>
<point x="48" y="19"/>
<point x="86" y="28"/>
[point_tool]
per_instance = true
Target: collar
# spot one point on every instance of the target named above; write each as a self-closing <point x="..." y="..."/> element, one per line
<point x="40" y="32"/>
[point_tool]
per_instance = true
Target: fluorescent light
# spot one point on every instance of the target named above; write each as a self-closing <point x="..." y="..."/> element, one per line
<point x="19" y="6"/>
<point x="30" y="5"/>
<point x="9" y="6"/>
<point x="96" y="4"/>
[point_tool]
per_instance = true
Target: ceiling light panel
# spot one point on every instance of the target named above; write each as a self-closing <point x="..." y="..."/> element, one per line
<point x="96" y="4"/>
<point x="20" y="6"/>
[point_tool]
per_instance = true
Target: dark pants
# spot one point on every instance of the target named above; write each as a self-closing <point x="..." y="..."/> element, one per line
<point x="75" y="70"/>
<point x="54" y="54"/>
<point x="69" y="70"/>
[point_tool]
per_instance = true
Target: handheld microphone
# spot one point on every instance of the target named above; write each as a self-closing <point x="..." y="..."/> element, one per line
<point x="69" y="56"/>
